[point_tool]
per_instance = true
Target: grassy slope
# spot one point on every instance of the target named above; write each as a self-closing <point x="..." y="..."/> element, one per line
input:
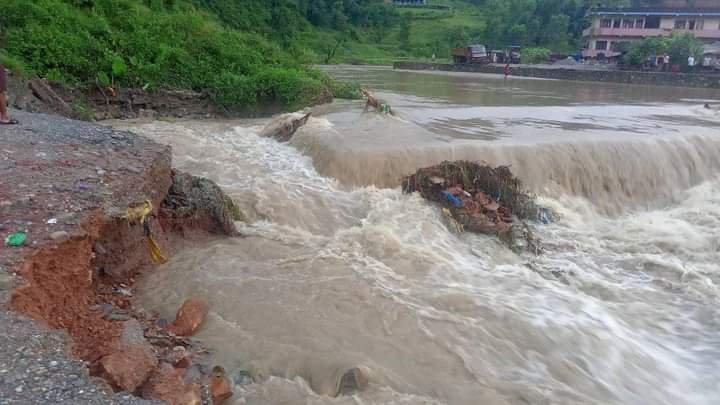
<point x="134" y="43"/>
<point x="429" y="34"/>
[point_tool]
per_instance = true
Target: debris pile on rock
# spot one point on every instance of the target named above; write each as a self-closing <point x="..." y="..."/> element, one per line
<point x="372" y="102"/>
<point x="481" y="199"/>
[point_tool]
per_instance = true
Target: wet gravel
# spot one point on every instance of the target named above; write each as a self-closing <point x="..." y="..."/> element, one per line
<point x="36" y="369"/>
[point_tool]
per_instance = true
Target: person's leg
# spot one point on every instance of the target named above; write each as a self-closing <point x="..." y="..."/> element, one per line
<point x="3" y="108"/>
<point x="3" y="98"/>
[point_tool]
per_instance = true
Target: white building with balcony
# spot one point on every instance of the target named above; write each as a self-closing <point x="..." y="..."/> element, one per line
<point x="610" y="27"/>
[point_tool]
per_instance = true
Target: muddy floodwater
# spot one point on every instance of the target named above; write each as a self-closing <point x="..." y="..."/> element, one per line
<point x="337" y="268"/>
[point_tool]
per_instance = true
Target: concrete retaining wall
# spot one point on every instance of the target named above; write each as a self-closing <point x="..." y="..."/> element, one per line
<point x="613" y="76"/>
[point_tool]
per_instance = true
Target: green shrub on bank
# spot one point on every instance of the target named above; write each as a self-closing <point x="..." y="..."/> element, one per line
<point x="679" y="47"/>
<point x="153" y="44"/>
<point x="534" y="55"/>
<point x="15" y="65"/>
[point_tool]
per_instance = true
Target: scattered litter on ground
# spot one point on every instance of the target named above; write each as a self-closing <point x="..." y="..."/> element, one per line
<point x="16" y="239"/>
<point x="140" y="214"/>
<point x="481" y="199"/>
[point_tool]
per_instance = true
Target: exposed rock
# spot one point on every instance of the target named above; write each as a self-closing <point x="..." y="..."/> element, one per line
<point x="129" y="367"/>
<point x="132" y="333"/>
<point x="354" y="380"/>
<point x="166" y="384"/>
<point x="59" y="235"/>
<point x="220" y="388"/>
<point x="191" y="315"/>
<point x="201" y="202"/>
<point x="283" y="127"/>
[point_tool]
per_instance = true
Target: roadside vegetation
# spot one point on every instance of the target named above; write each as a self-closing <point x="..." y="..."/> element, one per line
<point x="679" y="47"/>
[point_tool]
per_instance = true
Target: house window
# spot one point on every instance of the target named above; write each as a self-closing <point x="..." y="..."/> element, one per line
<point x="699" y="25"/>
<point x="601" y="45"/>
<point x="691" y="25"/>
<point x="652" y="22"/>
<point x="680" y="24"/>
<point x="606" y="23"/>
<point x="628" y="24"/>
<point x="616" y="23"/>
<point x="639" y="23"/>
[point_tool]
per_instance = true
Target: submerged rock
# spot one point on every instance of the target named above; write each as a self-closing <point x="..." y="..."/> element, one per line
<point x="220" y="388"/>
<point x="190" y="316"/>
<point x="167" y="384"/>
<point x="354" y="380"/>
<point x="283" y="127"/>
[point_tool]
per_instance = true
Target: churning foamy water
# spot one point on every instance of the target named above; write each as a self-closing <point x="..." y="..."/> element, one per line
<point x="337" y="268"/>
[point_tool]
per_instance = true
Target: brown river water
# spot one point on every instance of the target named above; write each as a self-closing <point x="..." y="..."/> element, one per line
<point x="337" y="268"/>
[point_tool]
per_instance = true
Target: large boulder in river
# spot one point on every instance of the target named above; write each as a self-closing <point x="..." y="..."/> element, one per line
<point x="199" y="202"/>
<point x="190" y="316"/>
<point x="283" y="127"/>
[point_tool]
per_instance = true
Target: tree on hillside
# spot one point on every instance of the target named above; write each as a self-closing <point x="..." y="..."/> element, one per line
<point x="404" y="34"/>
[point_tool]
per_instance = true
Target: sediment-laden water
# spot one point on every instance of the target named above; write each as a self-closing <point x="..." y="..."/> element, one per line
<point x="337" y="268"/>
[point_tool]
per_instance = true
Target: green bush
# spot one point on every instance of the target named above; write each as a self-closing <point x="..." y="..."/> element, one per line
<point x="14" y="64"/>
<point x="534" y="55"/>
<point x="679" y="46"/>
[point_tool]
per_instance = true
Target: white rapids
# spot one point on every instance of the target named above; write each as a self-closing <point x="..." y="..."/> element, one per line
<point x="337" y="268"/>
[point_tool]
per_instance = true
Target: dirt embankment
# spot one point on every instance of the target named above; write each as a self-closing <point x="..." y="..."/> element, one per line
<point x="100" y="103"/>
<point x="66" y="186"/>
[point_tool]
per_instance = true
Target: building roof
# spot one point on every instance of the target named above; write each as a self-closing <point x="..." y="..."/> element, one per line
<point x="657" y="12"/>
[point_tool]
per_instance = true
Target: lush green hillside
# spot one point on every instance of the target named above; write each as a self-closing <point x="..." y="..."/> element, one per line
<point x="159" y="43"/>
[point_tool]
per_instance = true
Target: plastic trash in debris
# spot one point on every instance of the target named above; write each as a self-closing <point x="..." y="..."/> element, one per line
<point x="155" y="252"/>
<point x="136" y="214"/>
<point x="140" y="214"/>
<point x="16" y="239"/>
<point x="454" y="224"/>
<point x="452" y="199"/>
<point x="52" y="221"/>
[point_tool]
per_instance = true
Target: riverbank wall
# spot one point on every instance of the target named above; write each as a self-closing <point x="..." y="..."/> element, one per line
<point x="696" y="80"/>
